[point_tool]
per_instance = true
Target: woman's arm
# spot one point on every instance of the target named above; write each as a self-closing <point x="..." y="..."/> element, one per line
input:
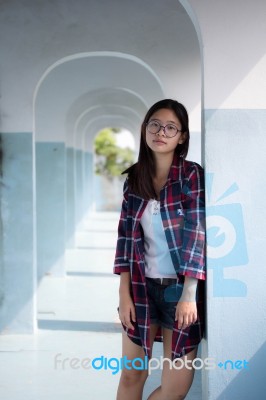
<point x="121" y="267"/>
<point x="186" y="309"/>
<point x="193" y="246"/>
<point x="127" y="312"/>
<point x="121" y="263"/>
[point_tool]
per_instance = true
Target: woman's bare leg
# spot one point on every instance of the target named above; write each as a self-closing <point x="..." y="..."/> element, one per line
<point x="175" y="382"/>
<point x="132" y="381"/>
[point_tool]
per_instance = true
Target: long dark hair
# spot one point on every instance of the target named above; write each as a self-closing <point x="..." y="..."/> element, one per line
<point x="140" y="174"/>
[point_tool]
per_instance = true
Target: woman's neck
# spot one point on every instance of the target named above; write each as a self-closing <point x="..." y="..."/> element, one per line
<point x="163" y="164"/>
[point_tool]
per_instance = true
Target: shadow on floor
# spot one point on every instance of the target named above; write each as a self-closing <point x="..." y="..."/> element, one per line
<point x="88" y="326"/>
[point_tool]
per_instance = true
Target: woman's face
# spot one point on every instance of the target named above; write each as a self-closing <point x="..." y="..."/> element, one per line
<point x="158" y="142"/>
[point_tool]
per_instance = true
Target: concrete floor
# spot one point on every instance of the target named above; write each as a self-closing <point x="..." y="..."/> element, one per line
<point x="77" y="321"/>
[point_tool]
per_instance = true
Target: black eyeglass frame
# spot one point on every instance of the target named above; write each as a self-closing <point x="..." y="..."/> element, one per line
<point x="160" y="127"/>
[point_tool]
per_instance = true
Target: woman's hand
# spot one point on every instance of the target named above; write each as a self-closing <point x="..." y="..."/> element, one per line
<point x="186" y="313"/>
<point x="186" y="309"/>
<point x="127" y="312"/>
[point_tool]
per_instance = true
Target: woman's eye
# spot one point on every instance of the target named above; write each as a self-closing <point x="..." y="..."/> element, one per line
<point x="171" y="127"/>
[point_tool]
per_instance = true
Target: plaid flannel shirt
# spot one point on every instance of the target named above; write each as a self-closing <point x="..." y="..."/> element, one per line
<point x="182" y="208"/>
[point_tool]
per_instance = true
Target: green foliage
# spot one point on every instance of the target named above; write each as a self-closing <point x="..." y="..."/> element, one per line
<point x="111" y="159"/>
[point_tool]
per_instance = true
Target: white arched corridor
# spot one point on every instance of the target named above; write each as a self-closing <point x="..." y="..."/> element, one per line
<point x="69" y="69"/>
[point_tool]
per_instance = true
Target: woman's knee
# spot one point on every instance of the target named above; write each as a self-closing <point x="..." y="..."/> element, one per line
<point x="132" y="377"/>
<point x="180" y="397"/>
<point x="173" y="396"/>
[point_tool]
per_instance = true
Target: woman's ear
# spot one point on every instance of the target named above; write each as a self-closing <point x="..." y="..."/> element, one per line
<point x="182" y="138"/>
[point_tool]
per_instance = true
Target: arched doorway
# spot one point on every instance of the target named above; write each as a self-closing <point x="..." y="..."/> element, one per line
<point x="67" y="113"/>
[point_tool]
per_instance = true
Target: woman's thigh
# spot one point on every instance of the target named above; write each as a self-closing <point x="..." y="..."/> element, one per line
<point x="176" y="380"/>
<point x="134" y="376"/>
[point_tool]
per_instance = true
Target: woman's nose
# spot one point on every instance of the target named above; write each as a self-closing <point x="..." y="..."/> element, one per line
<point x="162" y="128"/>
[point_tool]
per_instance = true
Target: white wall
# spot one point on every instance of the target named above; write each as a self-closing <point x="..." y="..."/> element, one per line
<point x="233" y="37"/>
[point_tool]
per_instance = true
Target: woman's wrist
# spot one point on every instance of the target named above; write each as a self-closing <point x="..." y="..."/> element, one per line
<point x="189" y="289"/>
<point x="124" y="288"/>
<point x="124" y="292"/>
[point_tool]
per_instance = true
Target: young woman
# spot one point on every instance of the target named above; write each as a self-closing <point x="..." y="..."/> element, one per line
<point x="160" y="254"/>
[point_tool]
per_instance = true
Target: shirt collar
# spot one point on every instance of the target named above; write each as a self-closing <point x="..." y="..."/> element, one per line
<point x="175" y="169"/>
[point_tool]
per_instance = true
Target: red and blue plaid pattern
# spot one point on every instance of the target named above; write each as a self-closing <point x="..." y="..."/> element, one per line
<point x="182" y="208"/>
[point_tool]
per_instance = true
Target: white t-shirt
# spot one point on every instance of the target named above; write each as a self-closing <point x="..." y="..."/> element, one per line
<point x="158" y="262"/>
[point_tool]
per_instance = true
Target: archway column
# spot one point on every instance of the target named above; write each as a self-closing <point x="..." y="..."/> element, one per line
<point x="17" y="255"/>
<point x="50" y="207"/>
<point x="70" y="198"/>
<point x="88" y="182"/>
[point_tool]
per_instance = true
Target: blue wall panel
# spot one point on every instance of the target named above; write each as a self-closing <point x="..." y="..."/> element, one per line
<point x="88" y="182"/>
<point x="70" y="198"/>
<point x="17" y="270"/>
<point x="51" y="187"/>
<point x="78" y="186"/>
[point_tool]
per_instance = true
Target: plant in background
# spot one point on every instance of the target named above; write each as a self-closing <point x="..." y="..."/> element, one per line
<point x="111" y="159"/>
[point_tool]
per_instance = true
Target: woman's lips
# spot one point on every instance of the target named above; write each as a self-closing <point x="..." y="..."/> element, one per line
<point x="159" y="142"/>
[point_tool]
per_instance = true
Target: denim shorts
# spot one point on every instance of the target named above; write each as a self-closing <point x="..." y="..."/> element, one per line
<point x="161" y="306"/>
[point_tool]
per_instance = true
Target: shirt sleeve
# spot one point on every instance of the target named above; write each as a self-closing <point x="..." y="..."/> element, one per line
<point x="194" y="231"/>
<point x="121" y="263"/>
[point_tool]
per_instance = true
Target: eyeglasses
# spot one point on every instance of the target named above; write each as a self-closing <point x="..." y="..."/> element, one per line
<point x="170" y="130"/>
